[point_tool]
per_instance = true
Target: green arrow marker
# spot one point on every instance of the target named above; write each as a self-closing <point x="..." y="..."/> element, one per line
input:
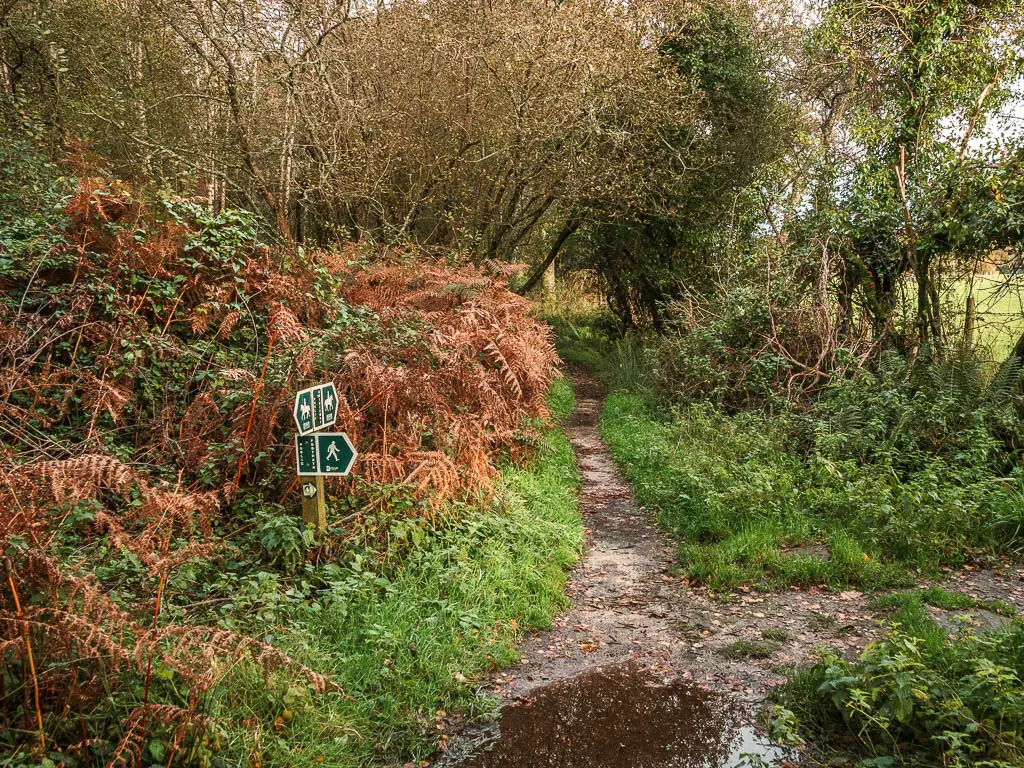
<point x="324" y="453"/>
<point x="335" y="453"/>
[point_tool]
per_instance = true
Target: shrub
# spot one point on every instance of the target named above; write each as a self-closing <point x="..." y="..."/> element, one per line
<point x="908" y="417"/>
<point x="910" y="702"/>
<point x="717" y="352"/>
<point x="149" y="362"/>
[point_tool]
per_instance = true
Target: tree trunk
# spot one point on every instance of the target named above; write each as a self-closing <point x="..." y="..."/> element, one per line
<point x="571" y="225"/>
<point x="1018" y="350"/>
<point x="5" y="74"/>
<point x="969" y="321"/>
<point x="549" y="280"/>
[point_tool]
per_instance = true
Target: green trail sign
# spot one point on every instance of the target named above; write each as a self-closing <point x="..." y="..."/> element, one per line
<point x="305" y="455"/>
<point x="316" y="408"/>
<point x="325" y="453"/>
<point x="319" y="454"/>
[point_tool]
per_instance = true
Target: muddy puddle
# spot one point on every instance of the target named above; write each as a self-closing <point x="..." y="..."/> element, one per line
<point x="620" y="717"/>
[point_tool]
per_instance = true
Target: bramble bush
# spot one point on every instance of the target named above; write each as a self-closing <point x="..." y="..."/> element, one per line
<point x="911" y="700"/>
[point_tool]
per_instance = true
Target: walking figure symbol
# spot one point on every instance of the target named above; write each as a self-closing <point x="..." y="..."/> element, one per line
<point x="332" y="451"/>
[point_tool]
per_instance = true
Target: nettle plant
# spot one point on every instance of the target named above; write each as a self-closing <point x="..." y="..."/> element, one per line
<point x="906" y="702"/>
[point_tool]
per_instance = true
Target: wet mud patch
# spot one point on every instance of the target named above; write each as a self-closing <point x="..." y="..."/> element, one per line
<point x="623" y="715"/>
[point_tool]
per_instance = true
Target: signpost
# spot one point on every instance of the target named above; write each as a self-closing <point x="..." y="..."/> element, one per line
<point x="319" y="454"/>
<point x="314" y="505"/>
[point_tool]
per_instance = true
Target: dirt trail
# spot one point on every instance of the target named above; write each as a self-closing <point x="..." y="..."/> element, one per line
<point x="629" y="612"/>
<point x="628" y="607"/>
<point x="622" y="607"/>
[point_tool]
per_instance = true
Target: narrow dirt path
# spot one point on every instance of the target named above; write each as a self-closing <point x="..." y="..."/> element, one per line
<point x="628" y="676"/>
<point x="645" y="670"/>
<point x="629" y="607"/>
<point x="624" y="607"/>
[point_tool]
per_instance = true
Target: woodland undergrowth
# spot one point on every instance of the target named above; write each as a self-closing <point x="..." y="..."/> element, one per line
<point x="835" y="469"/>
<point x="149" y="355"/>
<point x="822" y="468"/>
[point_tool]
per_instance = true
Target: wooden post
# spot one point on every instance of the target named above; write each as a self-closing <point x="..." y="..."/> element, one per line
<point x="314" y="507"/>
<point x="969" y="321"/>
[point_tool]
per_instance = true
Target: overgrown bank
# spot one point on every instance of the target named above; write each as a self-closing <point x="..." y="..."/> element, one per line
<point x="885" y="478"/>
<point x="408" y="638"/>
<point x="403" y="632"/>
<point x="163" y="603"/>
<point x="924" y="695"/>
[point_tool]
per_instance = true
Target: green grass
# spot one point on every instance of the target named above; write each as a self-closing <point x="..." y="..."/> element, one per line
<point x="909" y="610"/>
<point x="561" y="398"/>
<point x="411" y="642"/>
<point x="1000" y="307"/>
<point x="749" y="649"/>
<point x="940" y="598"/>
<point x="749" y="506"/>
<point x="736" y="500"/>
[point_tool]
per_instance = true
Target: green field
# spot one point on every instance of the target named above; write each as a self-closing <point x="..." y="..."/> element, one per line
<point x="1000" y="310"/>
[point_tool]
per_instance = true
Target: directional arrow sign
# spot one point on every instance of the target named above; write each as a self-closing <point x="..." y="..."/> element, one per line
<point x="334" y="453"/>
<point x="325" y="453"/>
<point x="316" y="408"/>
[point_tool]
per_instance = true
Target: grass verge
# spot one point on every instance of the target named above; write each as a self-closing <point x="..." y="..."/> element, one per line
<point x="410" y="645"/>
<point x="787" y="498"/>
<point x="739" y="503"/>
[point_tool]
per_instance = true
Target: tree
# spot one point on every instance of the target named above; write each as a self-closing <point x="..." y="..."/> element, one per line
<point x="680" y="236"/>
<point x="448" y="124"/>
<point x="905" y="86"/>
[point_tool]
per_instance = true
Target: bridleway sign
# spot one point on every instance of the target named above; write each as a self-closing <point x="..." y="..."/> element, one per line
<point x="316" y="408"/>
<point x="319" y="454"/>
